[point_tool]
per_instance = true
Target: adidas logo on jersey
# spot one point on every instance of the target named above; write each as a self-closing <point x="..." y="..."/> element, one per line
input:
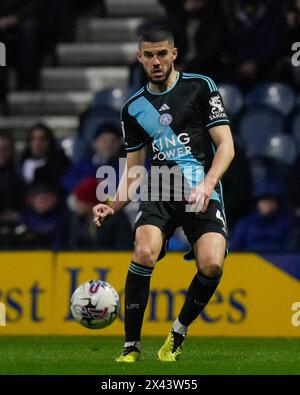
<point x="164" y="107"/>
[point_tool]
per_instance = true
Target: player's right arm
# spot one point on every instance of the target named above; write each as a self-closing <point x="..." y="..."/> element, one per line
<point x="121" y="198"/>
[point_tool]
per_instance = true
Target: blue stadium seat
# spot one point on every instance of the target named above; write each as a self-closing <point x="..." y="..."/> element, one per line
<point x="259" y="171"/>
<point x="256" y="126"/>
<point x="90" y="121"/>
<point x="265" y="168"/>
<point x="276" y="95"/>
<point x="232" y="97"/>
<point x="112" y="97"/>
<point x="277" y="154"/>
<point x="280" y="148"/>
<point x="104" y="108"/>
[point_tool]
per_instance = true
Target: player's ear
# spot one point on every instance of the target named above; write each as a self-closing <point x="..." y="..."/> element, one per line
<point x="174" y="53"/>
<point x="139" y="56"/>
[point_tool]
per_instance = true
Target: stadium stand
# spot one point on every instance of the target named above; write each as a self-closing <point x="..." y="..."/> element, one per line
<point x="89" y="80"/>
<point x="276" y="95"/>
<point x="96" y="60"/>
<point x="256" y="125"/>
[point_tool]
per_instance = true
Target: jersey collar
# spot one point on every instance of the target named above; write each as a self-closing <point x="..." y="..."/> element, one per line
<point x="166" y="91"/>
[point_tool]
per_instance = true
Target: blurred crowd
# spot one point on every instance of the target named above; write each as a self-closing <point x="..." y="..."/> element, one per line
<point x="46" y="199"/>
<point x="237" y="41"/>
<point x="47" y="194"/>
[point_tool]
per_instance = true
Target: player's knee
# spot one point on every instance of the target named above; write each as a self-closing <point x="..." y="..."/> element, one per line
<point x="211" y="269"/>
<point x="145" y="255"/>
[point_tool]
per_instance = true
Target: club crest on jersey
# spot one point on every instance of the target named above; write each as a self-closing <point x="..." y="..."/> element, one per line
<point x="165" y="119"/>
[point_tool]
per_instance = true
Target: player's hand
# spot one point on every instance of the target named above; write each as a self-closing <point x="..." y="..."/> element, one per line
<point x="200" y="196"/>
<point x="101" y="212"/>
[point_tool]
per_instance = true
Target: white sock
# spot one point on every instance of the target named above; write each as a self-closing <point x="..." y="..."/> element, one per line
<point x="136" y="344"/>
<point x="179" y="328"/>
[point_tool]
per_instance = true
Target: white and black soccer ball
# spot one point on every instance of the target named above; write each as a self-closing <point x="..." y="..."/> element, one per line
<point x="95" y="304"/>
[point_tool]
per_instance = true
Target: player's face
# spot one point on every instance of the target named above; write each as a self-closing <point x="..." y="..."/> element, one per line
<point x="157" y="59"/>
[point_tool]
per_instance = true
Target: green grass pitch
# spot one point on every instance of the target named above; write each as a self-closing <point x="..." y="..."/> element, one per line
<point x="95" y="355"/>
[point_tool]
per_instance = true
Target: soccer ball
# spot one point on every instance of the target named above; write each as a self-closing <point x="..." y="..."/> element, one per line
<point x="95" y="304"/>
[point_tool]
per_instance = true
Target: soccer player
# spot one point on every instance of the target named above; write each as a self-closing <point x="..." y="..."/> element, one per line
<point x="180" y="118"/>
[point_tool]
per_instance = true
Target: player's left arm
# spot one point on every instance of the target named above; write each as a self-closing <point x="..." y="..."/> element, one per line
<point x="222" y="138"/>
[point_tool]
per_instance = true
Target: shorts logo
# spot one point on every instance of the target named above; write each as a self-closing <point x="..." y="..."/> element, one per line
<point x="165" y="119"/>
<point x="123" y="129"/>
<point x="138" y="216"/>
<point x="220" y="217"/>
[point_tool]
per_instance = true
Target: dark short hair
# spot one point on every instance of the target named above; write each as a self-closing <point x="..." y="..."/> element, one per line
<point x="108" y="127"/>
<point x="155" y="34"/>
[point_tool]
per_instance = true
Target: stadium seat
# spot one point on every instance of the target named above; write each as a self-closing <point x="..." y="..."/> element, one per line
<point x="112" y="97"/>
<point x="258" y="170"/>
<point x="105" y="107"/>
<point x="281" y="148"/>
<point x="276" y="157"/>
<point x="256" y="126"/>
<point x="232" y="97"/>
<point x="276" y="95"/>
<point x="90" y="121"/>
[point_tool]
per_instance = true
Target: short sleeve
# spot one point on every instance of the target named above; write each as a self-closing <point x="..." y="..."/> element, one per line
<point x="214" y="109"/>
<point x="134" y="135"/>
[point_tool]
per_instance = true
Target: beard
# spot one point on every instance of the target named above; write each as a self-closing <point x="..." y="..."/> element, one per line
<point x="160" y="81"/>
